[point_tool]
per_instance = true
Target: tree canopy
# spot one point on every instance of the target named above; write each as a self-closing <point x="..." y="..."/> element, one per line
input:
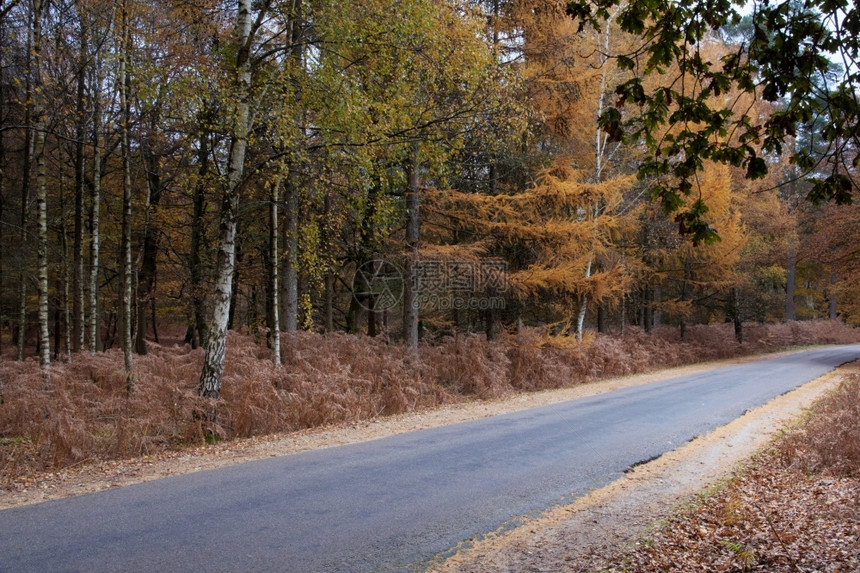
<point x="799" y="56"/>
<point x="200" y="168"/>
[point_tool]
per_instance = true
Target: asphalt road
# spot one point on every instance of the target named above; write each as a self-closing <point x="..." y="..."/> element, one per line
<point x="393" y="503"/>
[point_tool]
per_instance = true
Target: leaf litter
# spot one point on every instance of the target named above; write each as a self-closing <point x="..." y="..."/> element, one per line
<point x="794" y="506"/>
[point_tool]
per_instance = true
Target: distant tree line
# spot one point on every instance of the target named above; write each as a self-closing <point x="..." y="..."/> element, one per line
<point x="325" y="165"/>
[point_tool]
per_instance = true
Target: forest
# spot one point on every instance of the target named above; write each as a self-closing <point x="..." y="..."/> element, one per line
<point x="411" y="177"/>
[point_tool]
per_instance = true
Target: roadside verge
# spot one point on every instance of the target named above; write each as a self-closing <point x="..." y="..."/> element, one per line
<point x="571" y="537"/>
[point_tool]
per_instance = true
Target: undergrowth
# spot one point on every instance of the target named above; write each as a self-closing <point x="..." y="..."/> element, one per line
<point x="81" y="413"/>
<point x="829" y="442"/>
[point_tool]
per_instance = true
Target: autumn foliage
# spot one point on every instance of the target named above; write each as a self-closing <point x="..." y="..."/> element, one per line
<point x="82" y="412"/>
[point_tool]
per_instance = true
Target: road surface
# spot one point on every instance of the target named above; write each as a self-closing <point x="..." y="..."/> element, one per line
<point x="392" y="503"/>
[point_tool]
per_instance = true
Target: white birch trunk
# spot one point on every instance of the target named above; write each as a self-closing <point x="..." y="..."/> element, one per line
<point x="275" y="326"/>
<point x="583" y="307"/>
<point x="41" y="188"/>
<point x="80" y="187"/>
<point x="42" y="248"/>
<point x="94" y="219"/>
<point x="216" y="343"/>
<point x="600" y="141"/>
<point x="67" y="308"/>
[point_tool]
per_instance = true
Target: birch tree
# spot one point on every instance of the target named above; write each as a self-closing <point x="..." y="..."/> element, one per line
<point x="127" y="271"/>
<point x="40" y="129"/>
<point x="80" y="118"/>
<point x="244" y="33"/>
<point x="274" y="274"/>
<point x="94" y="341"/>
<point x="26" y="177"/>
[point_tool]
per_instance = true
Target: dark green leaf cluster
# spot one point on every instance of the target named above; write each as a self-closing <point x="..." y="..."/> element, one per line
<point x="800" y="56"/>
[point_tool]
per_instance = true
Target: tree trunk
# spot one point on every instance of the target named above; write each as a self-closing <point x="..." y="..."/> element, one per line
<point x="80" y="190"/>
<point x="198" y="327"/>
<point x="3" y="175"/>
<point x="329" y="300"/>
<point x="355" y="314"/>
<point x="95" y="341"/>
<point x="685" y="294"/>
<point x="329" y="271"/>
<point x="291" y="262"/>
<point x="291" y="227"/>
<point x="57" y="329"/>
<point x="234" y="295"/>
<point x="490" y="324"/>
<point x="148" y="267"/>
<point x="26" y="170"/>
<point x="790" y="269"/>
<point x="736" y="315"/>
<point x="66" y="283"/>
<point x="583" y="306"/>
<point x="656" y="299"/>
<point x="40" y="127"/>
<point x="2" y="211"/>
<point x="126" y="258"/>
<point x="154" y="324"/>
<point x="602" y="318"/>
<point x="623" y="315"/>
<point x="647" y="315"/>
<point x="216" y="343"/>
<point x="410" y="292"/>
<point x="42" y="249"/>
<point x="274" y="255"/>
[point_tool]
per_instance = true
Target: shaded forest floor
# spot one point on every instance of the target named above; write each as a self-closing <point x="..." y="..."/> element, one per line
<point x="81" y="414"/>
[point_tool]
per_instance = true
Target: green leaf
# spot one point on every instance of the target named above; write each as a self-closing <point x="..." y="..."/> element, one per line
<point x="756" y="168"/>
<point x="610" y="122"/>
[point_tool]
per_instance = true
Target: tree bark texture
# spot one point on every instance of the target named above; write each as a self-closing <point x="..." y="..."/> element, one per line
<point x="274" y="267"/>
<point x="291" y="263"/>
<point x="148" y="267"/>
<point x="80" y="190"/>
<point x="410" y="291"/>
<point x="3" y="174"/>
<point x="24" y="221"/>
<point x="127" y="273"/>
<point x="736" y="314"/>
<point x="95" y="341"/>
<point x="216" y="343"/>
<point x="42" y="248"/>
<point x="40" y="128"/>
<point x="198" y="328"/>
<point x="583" y="306"/>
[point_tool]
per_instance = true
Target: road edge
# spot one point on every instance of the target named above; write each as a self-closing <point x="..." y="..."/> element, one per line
<point x="621" y="513"/>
